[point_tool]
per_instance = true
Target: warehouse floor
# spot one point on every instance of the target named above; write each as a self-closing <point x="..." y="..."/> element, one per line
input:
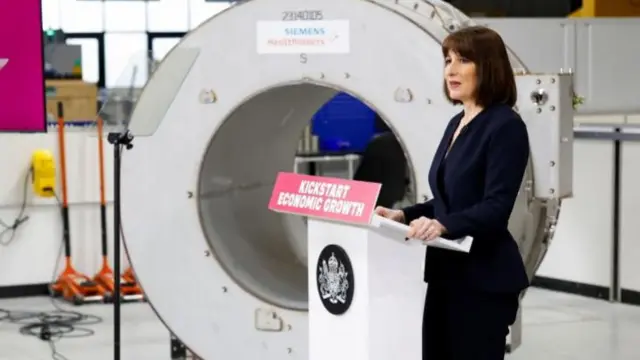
<point x="557" y="327"/>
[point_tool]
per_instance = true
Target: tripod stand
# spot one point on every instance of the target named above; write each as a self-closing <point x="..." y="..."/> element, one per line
<point x="118" y="140"/>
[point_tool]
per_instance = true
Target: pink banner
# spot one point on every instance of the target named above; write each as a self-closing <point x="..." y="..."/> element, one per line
<point x="22" y="103"/>
<point x="323" y="197"/>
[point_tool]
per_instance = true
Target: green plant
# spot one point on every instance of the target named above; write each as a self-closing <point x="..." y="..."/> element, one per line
<point x="577" y="100"/>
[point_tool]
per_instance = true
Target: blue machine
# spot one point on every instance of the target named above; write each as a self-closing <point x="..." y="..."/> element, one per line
<point x="344" y="124"/>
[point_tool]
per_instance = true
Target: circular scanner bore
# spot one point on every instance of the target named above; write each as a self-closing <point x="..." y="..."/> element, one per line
<point x="263" y="251"/>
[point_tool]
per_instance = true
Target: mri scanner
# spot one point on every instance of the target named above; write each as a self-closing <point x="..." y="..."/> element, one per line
<point x="222" y="115"/>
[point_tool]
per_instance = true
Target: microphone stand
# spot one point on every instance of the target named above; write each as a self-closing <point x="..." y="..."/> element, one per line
<point x="118" y="140"/>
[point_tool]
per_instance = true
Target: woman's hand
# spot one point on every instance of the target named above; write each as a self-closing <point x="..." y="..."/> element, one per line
<point x="395" y="215"/>
<point x="425" y="229"/>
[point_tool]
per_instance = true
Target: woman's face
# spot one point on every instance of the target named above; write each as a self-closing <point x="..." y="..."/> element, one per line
<point x="460" y="76"/>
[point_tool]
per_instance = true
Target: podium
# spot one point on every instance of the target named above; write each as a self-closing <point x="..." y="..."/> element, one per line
<point x="366" y="289"/>
<point x="366" y="294"/>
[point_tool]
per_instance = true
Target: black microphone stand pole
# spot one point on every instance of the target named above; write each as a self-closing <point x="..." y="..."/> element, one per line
<point x="118" y="140"/>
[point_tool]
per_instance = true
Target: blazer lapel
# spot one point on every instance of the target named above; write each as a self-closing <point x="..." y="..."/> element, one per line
<point x="439" y="156"/>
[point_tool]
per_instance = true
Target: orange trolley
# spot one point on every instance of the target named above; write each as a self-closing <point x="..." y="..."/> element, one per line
<point x="129" y="289"/>
<point x="73" y="286"/>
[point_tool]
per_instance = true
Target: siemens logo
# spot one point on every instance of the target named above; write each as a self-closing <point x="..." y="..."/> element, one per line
<point x="304" y="31"/>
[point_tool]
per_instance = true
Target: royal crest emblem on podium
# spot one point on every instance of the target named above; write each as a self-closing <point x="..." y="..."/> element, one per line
<point x="335" y="279"/>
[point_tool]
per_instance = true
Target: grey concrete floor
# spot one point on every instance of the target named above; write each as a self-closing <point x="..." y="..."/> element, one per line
<point x="556" y="327"/>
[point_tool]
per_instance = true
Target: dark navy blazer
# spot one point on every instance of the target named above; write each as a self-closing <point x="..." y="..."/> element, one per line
<point x="475" y="186"/>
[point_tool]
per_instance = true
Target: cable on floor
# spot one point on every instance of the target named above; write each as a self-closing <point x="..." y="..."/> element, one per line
<point x="8" y="232"/>
<point x="54" y="325"/>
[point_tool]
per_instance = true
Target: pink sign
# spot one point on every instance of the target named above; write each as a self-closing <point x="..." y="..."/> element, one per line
<point x="323" y="197"/>
<point x="22" y="76"/>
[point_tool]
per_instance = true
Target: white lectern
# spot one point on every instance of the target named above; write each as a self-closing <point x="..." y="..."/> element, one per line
<point x="366" y="289"/>
<point x="366" y="293"/>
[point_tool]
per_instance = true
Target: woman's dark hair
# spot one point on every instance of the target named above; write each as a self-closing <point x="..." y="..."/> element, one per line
<point x="485" y="48"/>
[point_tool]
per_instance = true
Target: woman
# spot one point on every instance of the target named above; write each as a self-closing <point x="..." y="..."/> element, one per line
<point x="475" y="177"/>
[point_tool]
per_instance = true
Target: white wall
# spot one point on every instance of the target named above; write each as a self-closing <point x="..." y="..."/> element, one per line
<point x="581" y="250"/>
<point x="630" y="217"/>
<point x="31" y="256"/>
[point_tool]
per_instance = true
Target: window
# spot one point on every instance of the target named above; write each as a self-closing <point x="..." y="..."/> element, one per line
<point x="168" y="15"/>
<point x="126" y="59"/>
<point x="125" y="16"/>
<point x="50" y="14"/>
<point x="160" y="47"/>
<point x="200" y="11"/>
<point x="90" y="60"/>
<point x="81" y="16"/>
